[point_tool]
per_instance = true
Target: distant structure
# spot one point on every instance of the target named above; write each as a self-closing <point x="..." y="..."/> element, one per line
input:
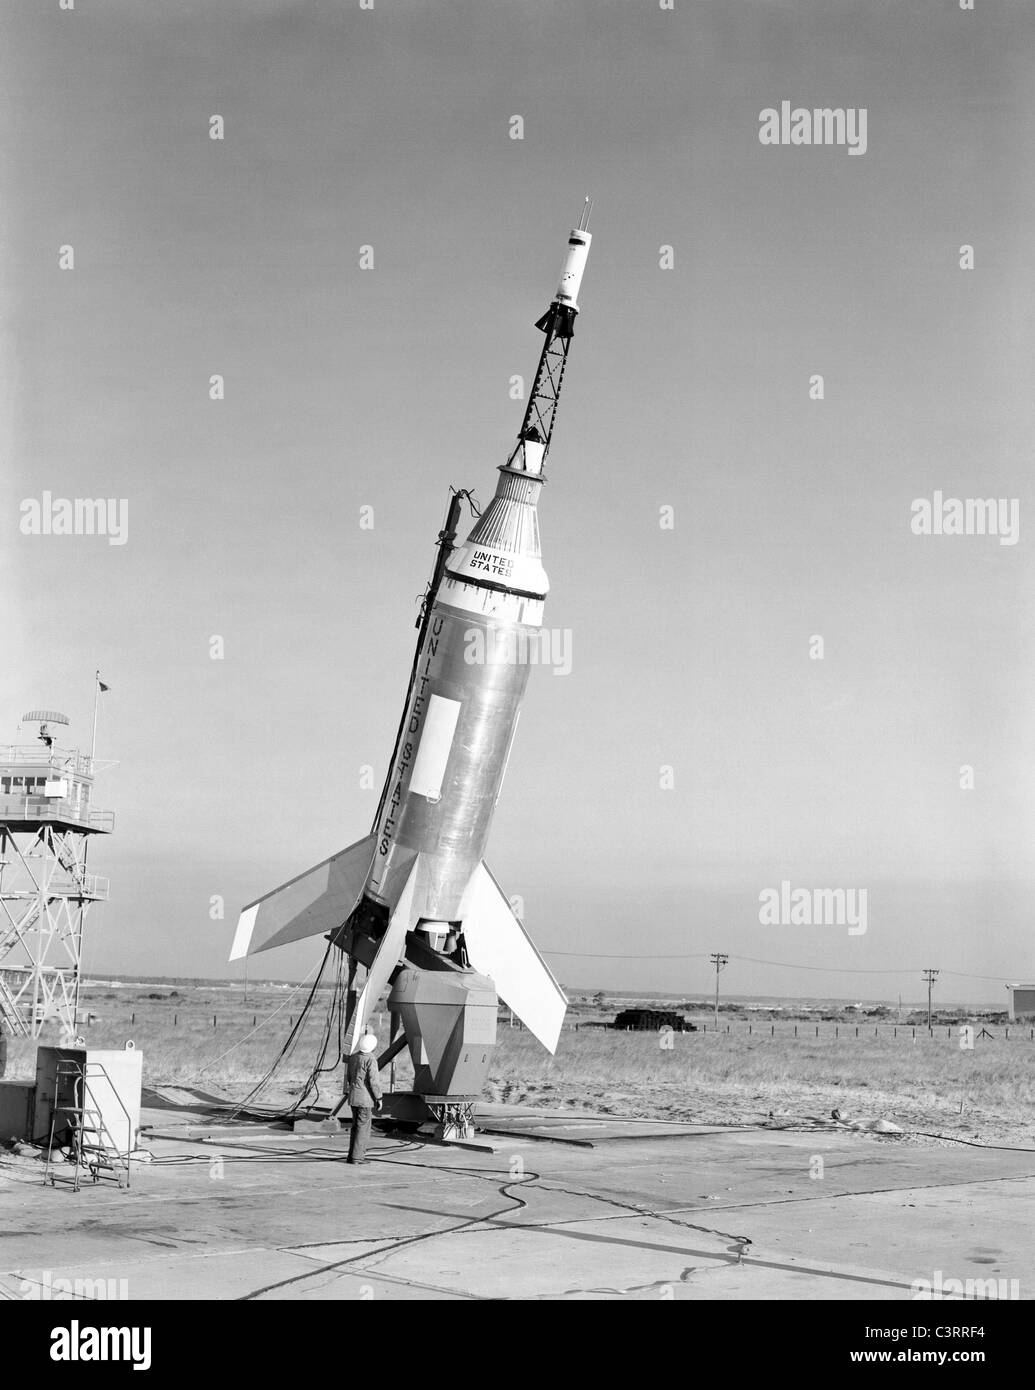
<point x="46" y="824"/>
<point x="1022" y="1001"/>
<point x="643" y="1020"/>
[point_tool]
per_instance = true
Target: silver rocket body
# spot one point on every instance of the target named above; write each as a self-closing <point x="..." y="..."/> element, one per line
<point x="414" y="902"/>
<point x="462" y="718"/>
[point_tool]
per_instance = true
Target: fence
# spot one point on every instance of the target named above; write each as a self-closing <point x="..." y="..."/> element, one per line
<point x="1008" y="1033"/>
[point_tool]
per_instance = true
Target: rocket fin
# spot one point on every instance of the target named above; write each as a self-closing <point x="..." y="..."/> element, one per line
<point x="312" y="904"/>
<point x="498" y="946"/>
<point x="389" y="953"/>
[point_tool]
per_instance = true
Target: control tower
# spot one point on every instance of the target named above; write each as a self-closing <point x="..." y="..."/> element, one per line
<point x="47" y="821"/>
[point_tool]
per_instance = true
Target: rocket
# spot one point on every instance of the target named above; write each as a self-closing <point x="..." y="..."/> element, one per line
<point x="414" y="901"/>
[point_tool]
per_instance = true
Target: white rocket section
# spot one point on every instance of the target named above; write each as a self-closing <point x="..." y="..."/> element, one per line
<point x="573" y="269"/>
<point x="311" y="904"/>
<point x="528" y="456"/>
<point x="435" y="743"/>
<point x="243" y="934"/>
<point x="505" y="567"/>
<point x="503" y="549"/>
<point x="499" y="947"/>
<point x="390" y="952"/>
<point x="490" y="603"/>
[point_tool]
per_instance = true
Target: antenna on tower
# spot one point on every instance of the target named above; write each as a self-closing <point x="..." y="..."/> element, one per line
<point x="44" y="718"/>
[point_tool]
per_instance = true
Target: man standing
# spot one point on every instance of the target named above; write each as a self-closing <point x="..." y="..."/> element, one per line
<point x="363" y="1086"/>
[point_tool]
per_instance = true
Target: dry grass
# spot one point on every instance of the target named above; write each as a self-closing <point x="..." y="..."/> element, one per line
<point x="729" y="1079"/>
<point x="704" y="1077"/>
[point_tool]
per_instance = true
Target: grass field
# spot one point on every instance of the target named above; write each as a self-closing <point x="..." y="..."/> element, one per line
<point x="203" y="1036"/>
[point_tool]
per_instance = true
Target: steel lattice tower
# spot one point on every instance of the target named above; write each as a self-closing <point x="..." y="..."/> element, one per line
<point x="46" y="824"/>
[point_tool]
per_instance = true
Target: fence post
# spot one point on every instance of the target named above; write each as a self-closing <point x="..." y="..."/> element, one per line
<point x="857" y="1030"/>
<point x="175" y="1017"/>
<point x="254" y="1019"/>
<point x="213" y="1020"/>
<point x="772" y="1030"/>
<point x="817" y="1030"/>
<point x="795" y="1030"/>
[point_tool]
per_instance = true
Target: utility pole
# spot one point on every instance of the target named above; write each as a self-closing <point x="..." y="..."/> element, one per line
<point x="719" y="960"/>
<point x="930" y="976"/>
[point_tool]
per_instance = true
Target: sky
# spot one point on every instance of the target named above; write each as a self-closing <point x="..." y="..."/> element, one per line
<point x="700" y="752"/>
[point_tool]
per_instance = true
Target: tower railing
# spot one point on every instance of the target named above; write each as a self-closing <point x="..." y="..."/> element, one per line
<point x="15" y="808"/>
<point x="35" y="755"/>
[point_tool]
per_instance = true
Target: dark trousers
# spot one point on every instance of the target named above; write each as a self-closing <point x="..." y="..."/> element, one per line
<point x="361" y="1117"/>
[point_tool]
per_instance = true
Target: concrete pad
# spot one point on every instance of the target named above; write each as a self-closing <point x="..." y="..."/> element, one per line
<point x="646" y="1212"/>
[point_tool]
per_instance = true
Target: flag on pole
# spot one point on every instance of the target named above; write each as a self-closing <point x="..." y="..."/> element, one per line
<point x="102" y="685"/>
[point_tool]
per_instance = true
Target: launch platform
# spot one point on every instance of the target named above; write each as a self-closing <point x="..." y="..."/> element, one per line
<point x="631" y="1210"/>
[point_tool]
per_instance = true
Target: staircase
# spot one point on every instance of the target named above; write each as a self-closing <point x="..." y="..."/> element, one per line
<point x="94" y="1148"/>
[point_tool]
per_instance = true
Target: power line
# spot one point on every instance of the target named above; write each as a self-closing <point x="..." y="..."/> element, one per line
<point x="754" y="960"/>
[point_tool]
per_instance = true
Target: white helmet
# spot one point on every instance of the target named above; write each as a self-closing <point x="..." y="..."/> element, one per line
<point x="367" y="1042"/>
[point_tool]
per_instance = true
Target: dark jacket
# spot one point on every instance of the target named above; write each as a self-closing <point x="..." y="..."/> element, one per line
<point x="362" y="1084"/>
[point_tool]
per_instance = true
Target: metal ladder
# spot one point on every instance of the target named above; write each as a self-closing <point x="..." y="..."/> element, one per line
<point x="94" y="1149"/>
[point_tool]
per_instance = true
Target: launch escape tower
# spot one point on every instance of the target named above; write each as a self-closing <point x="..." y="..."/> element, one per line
<point x="46" y="824"/>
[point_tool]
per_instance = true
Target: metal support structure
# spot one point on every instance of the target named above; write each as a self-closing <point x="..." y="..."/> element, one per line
<point x="397" y="1043"/>
<point x="45" y="894"/>
<point x="92" y="1145"/>
<point x="446" y="544"/>
<point x="454" y="1115"/>
<point x="46" y="824"/>
<point x="558" y="325"/>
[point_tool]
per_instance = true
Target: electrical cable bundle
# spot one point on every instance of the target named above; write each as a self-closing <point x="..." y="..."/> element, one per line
<point x="291" y="1041"/>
